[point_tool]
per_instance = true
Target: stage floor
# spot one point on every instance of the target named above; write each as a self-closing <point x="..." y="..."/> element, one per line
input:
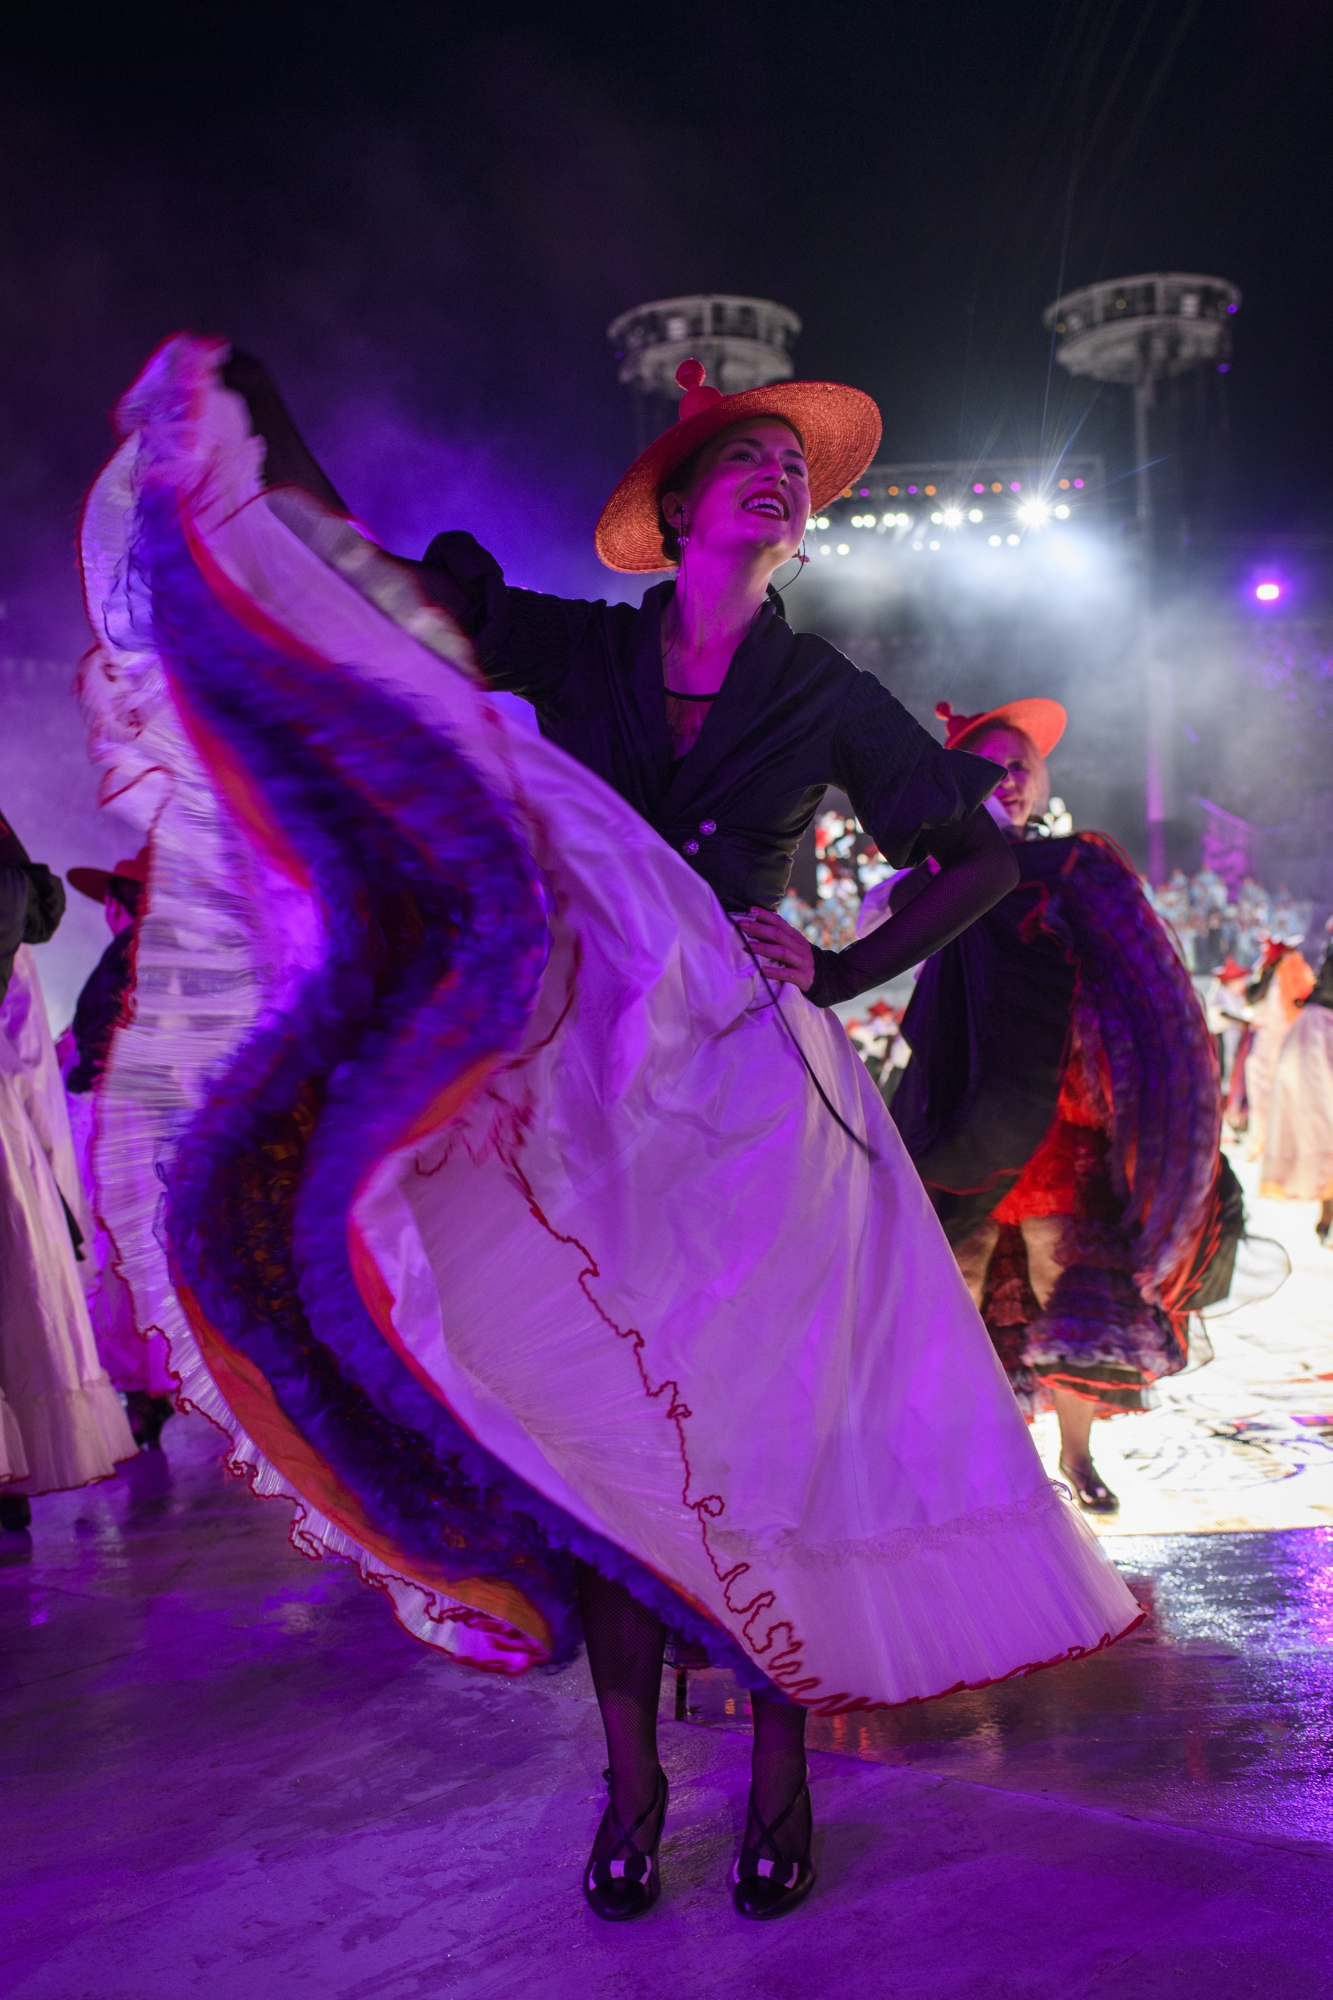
<point x="1247" y="1441"/>
<point x="227" y="1770"/>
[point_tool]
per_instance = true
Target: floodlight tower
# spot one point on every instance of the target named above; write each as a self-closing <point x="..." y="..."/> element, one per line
<point x="743" y="343"/>
<point x="1143" y="332"/>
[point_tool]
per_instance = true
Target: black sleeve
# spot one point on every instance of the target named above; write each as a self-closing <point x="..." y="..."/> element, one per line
<point x="46" y="903"/>
<point x="525" y="641"/>
<point x="901" y="782"/>
<point x="32" y="901"/>
<point x="288" y="459"/>
<point x="13" y="916"/>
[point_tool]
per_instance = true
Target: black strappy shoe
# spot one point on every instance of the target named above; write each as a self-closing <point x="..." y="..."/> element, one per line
<point x="1094" y="1496"/>
<point x="627" y="1883"/>
<point x="767" y="1884"/>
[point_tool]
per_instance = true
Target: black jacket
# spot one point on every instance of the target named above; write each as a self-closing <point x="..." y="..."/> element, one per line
<point x="101" y="1009"/>
<point x="793" y="717"/>
<point x="32" y="901"/>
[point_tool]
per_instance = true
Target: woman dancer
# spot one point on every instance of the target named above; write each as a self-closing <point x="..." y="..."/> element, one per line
<point x="136" y="1364"/>
<point x="524" y="1222"/>
<point x="1062" y="1107"/>
<point x="1275" y="995"/>
<point x="1298" y="1158"/>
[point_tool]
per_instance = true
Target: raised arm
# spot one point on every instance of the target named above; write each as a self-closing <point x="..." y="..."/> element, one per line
<point x="523" y="639"/>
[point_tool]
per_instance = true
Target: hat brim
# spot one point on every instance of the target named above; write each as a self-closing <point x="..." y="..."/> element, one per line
<point x="90" y="882"/>
<point x="839" y="429"/>
<point x="1042" y="721"/>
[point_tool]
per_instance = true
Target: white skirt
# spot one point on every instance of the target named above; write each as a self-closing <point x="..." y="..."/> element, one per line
<point x="632" y="1253"/>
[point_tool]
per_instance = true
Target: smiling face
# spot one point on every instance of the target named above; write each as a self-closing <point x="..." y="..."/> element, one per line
<point x="1019" y="793"/>
<point x="749" y="494"/>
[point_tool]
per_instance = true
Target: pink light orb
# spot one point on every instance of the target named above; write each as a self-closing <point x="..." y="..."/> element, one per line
<point x="1268" y="593"/>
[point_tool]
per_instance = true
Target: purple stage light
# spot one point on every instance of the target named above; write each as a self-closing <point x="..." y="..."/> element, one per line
<point x="1015" y="486"/>
<point x="978" y="489"/>
<point x="1268" y="593"/>
<point x="1078" y="482"/>
<point x="1224" y="367"/>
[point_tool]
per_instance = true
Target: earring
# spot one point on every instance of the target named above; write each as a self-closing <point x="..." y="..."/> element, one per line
<point x="682" y="535"/>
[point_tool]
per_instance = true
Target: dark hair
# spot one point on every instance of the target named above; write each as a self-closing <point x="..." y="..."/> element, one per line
<point x="678" y="481"/>
<point x="125" y="891"/>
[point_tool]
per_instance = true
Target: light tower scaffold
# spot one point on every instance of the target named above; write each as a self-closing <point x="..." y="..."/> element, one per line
<point x="1142" y="332"/>
<point x="743" y="343"/>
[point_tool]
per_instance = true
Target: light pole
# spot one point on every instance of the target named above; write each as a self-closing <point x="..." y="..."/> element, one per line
<point x="1140" y="332"/>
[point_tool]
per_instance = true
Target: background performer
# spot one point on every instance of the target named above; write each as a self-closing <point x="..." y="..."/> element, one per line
<point x="1298" y="1158"/>
<point x="61" y="1422"/>
<point x="1062" y="1107"/>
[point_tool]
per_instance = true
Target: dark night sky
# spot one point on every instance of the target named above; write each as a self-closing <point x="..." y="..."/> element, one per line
<point x="425" y="215"/>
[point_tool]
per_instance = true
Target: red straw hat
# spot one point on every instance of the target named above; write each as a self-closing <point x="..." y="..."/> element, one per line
<point x="1041" y="721"/>
<point x="1231" y="971"/>
<point x="92" y="882"/>
<point x="839" y="429"/>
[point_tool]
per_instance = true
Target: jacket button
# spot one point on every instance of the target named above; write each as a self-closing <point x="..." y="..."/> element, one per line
<point x="708" y="826"/>
<point x="690" y="847"/>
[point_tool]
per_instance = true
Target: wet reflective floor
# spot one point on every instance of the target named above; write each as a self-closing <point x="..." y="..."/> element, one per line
<point x="1216" y="1713"/>
<point x="226" y="1768"/>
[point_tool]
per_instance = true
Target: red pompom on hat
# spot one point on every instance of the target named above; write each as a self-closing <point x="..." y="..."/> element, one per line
<point x="1040" y="720"/>
<point x="692" y="377"/>
<point x="838" y="429"/>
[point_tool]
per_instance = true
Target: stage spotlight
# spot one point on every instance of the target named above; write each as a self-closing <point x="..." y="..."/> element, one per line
<point x="1062" y="513"/>
<point x="843" y="549"/>
<point x="1268" y="593"/>
<point x="822" y="524"/>
<point x="936" y="518"/>
<point x="994" y="541"/>
<point x="975" y="514"/>
<point x="952" y="517"/>
<point x="1012" y="541"/>
<point x="1034" y="513"/>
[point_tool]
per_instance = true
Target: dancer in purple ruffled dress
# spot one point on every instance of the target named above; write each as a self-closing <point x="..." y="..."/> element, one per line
<point x="1062" y="1107"/>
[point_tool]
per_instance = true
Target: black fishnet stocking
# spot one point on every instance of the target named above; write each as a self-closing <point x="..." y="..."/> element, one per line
<point x="625" y="1645"/>
<point x="777" y="1773"/>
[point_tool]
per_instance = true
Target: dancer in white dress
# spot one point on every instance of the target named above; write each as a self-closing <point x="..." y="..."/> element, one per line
<point x="522" y="1219"/>
<point x="61" y="1422"/>
<point x="1298" y="1158"/>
